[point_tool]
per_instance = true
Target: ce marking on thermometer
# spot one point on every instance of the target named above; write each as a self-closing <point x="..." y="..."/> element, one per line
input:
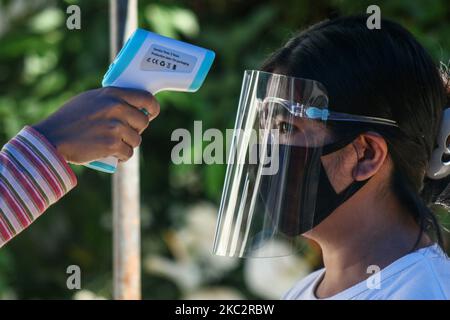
<point x="162" y="63"/>
<point x="161" y="58"/>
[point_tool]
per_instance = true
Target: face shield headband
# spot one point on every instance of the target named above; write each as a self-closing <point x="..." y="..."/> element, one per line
<point x="276" y="187"/>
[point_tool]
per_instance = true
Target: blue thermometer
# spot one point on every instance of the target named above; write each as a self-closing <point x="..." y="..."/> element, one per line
<point x="154" y="63"/>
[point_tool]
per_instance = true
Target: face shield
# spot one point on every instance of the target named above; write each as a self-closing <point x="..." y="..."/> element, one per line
<point x="276" y="187"/>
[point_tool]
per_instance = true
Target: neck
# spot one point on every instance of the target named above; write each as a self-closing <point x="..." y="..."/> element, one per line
<point x="363" y="233"/>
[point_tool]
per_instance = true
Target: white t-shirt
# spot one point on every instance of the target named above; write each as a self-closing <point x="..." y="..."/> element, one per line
<point x="420" y="275"/>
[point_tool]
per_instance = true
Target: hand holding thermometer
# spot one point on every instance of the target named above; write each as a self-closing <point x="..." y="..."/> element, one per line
<point x="154" y="63"/>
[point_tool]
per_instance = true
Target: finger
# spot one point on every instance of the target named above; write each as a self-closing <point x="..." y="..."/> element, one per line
<point x="134" y="117"/>
<point x="130" y="136"/>
<point x="123" y="151"/>
<point x="139" y="99"/>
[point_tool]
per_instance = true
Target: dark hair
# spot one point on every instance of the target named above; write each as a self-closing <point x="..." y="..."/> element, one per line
<point x="382" y="73"/>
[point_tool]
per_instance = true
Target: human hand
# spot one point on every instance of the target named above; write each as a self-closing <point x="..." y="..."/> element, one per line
<point x="99" y="123"/>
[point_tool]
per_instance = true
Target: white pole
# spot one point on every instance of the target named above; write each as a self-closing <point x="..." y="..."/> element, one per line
<point x="126" y="197"/>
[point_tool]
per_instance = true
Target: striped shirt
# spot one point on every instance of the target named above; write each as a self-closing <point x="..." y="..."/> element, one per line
<point x="33" y="176"/>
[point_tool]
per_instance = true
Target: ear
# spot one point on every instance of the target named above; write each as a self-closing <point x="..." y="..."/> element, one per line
<point x="372" y="151"/>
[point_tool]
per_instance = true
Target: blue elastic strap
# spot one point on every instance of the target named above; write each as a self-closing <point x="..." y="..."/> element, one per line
<point x="316" y="113"/>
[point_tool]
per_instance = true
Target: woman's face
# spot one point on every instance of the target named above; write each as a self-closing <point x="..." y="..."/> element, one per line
<point x="300" y="141"/>
<point x="302" y="132"/>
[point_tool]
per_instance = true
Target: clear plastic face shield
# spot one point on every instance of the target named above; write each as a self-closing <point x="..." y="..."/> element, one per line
<point x="276" y="187"/>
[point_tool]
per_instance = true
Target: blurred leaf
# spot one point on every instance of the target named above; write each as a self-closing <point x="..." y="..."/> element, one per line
<point x="169" y="20"/>
<point x="47" y="20"/>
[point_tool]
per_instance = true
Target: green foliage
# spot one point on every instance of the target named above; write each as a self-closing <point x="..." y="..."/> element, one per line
<point x="42" y="64"/>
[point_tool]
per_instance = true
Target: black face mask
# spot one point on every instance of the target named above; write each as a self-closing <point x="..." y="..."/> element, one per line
<point x="309" y="197"/>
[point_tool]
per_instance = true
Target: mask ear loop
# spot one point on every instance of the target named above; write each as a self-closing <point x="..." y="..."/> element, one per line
<point x="437" y="168"/>
<point x="339" y="144"/>
<point x="335" y="200"/>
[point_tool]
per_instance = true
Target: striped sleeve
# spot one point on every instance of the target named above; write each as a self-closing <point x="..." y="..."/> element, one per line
<point x="33" y="176"/>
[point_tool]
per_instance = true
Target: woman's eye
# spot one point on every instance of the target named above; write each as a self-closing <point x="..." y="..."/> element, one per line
<point x="286" y="127"/>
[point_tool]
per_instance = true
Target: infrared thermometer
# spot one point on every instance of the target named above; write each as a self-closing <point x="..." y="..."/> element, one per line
<point x="151" y="62"/>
